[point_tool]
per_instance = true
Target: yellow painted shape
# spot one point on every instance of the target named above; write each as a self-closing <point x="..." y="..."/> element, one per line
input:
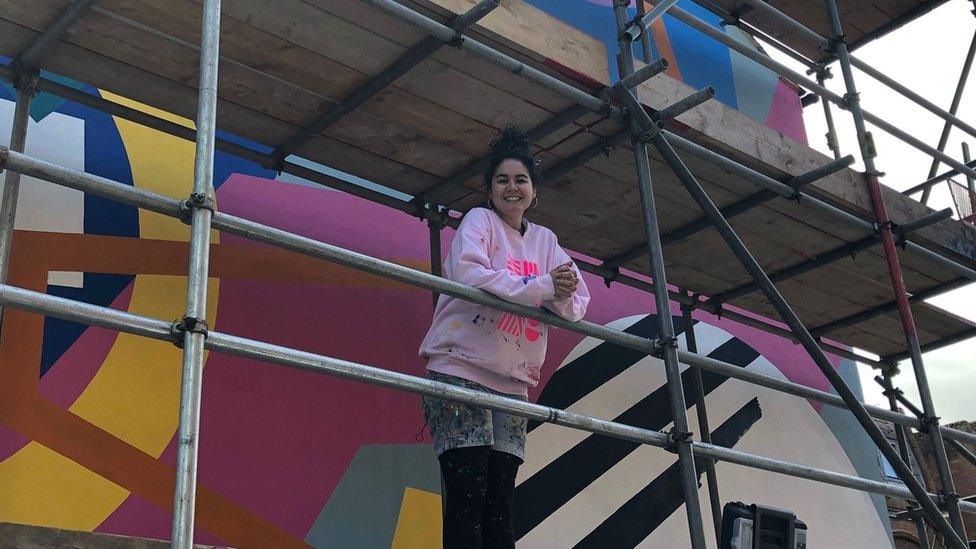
<point x="420" y="523"/>
<point x="160" y="163"/>
<point x="40" y="486"/>
<point x="135" y="394"/>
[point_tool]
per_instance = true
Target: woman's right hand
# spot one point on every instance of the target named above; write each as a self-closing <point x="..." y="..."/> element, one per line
<point x="564" y="280"/>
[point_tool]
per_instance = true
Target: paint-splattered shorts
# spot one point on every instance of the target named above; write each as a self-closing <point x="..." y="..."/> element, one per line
<point x="458" y="425"/>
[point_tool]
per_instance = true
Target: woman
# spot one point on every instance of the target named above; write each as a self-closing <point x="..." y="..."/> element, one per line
<point x="477" y="347"/>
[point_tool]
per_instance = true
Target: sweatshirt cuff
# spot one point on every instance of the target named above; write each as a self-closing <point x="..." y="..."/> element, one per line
<point x="548" y="289"/>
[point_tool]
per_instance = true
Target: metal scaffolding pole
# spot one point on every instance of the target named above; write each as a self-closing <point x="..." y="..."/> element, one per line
<point x="847" y="251"/>
<point x="888" y="307"/>
<point x="141" y="198"/>
<point x="457" y="179"/>
<point x="434" y="227"/>
<point x="808" y="201"/>
<point x="701" y="410"/>
<point x="949" y="497"/>
<point x="114" y="319"/>
<point x="413" y="57"/>
<point x="28" y="59"/>
<point x="412" y="209"/>
<point x="825" y="45"/>
<point x="11" y="183"/>
<point x="200" y="205"/>
<point x="645" y="38"/>
<point x="680" y="437"/>
<point x="953" y="108"/>
<point x="832" y="143"/>
<point x="719" y="36"/>
<point x="900" y="397"/>
<point x="889" y="391"/>
<point x="798" y="329"/>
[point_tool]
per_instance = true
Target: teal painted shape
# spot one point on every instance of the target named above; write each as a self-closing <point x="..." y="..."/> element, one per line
<point x="864" y="455"/>
<point x="755" y="85"/>
<point x="46" y="103"/>
<point x="365" y="505"/>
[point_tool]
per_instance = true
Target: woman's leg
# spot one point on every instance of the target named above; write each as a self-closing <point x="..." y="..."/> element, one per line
<point x="465" y="475"/>
<point x="499" y="532"/>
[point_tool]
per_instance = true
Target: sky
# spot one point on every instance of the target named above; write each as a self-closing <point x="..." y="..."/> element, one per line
<point x="925" y="56"/>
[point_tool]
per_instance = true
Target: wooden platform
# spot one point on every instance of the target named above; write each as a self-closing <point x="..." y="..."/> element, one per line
<point x="862" y="21"/>
<point x="284" y="67"/>
<point x="26" y="536"/>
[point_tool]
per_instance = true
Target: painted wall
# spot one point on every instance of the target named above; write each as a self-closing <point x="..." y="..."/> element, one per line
<point x="291" y="459"/>
<point x="697" y="60"/>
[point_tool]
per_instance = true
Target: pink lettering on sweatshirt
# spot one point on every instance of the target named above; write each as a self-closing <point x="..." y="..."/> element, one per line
<point x="499" y="350"/>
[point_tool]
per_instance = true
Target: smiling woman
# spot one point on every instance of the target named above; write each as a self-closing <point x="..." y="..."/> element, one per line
<point x="473" y="346"/>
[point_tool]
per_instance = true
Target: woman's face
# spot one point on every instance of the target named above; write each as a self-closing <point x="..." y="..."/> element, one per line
<point x="511" y="189"/>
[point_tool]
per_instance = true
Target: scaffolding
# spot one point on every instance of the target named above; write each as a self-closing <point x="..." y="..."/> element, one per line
<point x="644" y="129"/>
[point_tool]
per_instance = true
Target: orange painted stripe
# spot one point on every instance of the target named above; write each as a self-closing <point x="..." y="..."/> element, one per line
<point x="123" y="255"/>
<point x="663" y="43"/>
<point x="113" y="459"/>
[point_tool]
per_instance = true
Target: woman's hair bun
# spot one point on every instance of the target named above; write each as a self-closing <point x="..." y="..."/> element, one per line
<point x="511" y="143"/>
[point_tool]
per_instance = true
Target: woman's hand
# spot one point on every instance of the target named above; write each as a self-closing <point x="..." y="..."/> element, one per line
<point x="564" y="280"/>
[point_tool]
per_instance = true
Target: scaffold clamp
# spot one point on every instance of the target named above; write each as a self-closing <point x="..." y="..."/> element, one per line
<point x="196" y="201"/>
<point x="928" y="422"/>
<point x="190" y="324"/>
<point x="675" y="438"/>
<point x="662" y="342"/>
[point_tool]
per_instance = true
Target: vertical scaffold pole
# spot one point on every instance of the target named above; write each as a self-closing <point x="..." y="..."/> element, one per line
<point x="11" y="183"/>
<point x="706" y="434"/>
<point x="200" y="206"/>
<point x="902" y="438"/>
<point x="950" y="500"/>
<point x="681" y="436"/>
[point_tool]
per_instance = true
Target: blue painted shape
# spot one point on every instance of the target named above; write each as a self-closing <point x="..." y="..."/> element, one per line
<point x="755" y="85"/>
<point x="701" y="60"/>
<point x="105" y="156"/>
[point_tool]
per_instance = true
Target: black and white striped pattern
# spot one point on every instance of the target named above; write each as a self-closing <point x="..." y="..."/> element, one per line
<point x="567" y="468"/>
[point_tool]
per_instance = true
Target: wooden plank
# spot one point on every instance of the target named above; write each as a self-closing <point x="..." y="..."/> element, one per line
<point x="756" y="145"/>
<point x="531" y="32"/>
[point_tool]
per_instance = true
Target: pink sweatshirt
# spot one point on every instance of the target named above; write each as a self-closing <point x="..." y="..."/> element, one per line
<point x="499" y="350"/>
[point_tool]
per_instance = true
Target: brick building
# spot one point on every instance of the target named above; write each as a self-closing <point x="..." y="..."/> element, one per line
<point x="905" y="531"/>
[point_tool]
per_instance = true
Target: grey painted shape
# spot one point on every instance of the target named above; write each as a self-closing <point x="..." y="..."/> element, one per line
<point x="363" y="510"/>
<point x="855" y="441"/>
<point x="338" y="174"/>
<point x="755" y="85"/>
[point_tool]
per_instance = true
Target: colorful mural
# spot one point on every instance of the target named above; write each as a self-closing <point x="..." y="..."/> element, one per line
<point x="292" y="459"/>
<point x="739" y="82"/>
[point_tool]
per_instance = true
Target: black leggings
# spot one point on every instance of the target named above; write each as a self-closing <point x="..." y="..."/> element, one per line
<point x="478" y="487"/>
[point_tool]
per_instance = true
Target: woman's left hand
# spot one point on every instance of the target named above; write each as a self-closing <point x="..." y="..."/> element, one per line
<point x="564" y="280"/>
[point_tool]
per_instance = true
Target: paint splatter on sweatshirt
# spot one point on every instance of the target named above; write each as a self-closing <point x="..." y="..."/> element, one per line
<point x="499" y="350"/>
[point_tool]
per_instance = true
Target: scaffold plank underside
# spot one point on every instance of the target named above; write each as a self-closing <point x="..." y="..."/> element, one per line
<point x="285" y="65"/>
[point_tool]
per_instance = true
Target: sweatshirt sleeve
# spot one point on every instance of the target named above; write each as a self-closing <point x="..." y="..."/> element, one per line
<point x="471" y="265"/>
<point x="571" y="308"/>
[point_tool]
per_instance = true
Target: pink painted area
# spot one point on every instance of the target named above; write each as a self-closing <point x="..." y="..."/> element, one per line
<point x="138" y="517"/>
<point x="786" y="113"/>
<point x="64" y="382"/>
<point x="275" y="440"/>
<point x="70" y="375"/>
<point x="330" y="216"/>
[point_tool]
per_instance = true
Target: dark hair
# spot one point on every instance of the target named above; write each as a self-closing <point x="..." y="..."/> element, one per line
<point x="510" y="145"/>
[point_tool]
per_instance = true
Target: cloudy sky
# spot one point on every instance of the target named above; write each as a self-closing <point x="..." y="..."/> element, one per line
<point x="926" y="56"/>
